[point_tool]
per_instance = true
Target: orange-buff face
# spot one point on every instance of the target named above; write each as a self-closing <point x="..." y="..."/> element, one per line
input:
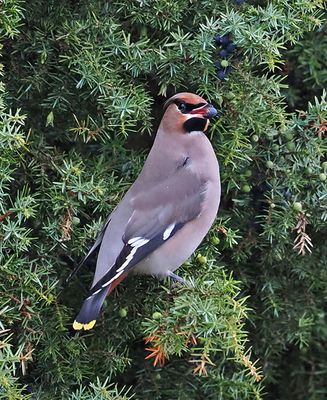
<point x="190" y="111"/>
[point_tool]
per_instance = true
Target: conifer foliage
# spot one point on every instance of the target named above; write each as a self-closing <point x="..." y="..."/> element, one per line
<point x="83" y="83"/>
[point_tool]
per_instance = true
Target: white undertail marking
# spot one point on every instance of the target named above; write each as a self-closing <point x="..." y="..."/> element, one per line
<point x="168" y="231"/>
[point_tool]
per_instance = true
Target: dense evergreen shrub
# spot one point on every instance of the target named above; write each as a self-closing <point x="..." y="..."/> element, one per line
<point x="83" y="83"/>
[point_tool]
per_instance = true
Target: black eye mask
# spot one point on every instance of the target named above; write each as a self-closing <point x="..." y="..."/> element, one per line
<point x="186" y="108"/>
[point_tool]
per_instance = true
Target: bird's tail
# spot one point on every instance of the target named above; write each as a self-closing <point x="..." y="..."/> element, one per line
<point x="91" y="307"/>
<point x="89" y="312"/>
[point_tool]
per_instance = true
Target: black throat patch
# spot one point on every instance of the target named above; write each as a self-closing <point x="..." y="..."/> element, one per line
<point x="195" y="124"/>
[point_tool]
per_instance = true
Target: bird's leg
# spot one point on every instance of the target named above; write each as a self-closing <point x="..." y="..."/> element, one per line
<point x="179" y="279"/>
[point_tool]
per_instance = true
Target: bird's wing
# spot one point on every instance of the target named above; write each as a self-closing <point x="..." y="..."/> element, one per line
<point x="159" y="213"/>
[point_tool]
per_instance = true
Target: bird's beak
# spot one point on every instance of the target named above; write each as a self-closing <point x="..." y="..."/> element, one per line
<point x="208" y="111"/>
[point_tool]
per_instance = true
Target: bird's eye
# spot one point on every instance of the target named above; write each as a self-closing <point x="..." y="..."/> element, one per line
<point x="182" y="107"/>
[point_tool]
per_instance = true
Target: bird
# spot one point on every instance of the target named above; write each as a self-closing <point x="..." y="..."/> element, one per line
<point x="167" y="211"/>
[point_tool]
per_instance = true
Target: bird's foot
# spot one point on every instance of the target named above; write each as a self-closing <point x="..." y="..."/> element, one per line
<point x="179" y="279"/>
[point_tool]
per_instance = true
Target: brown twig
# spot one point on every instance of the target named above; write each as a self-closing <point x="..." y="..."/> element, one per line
<point x="302" y="242"/>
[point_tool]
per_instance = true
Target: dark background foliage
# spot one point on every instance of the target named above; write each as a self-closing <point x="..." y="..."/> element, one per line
<point x="83" y="84"/>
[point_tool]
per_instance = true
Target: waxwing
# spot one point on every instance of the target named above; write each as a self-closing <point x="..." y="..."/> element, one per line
<point x="167" y="211"/>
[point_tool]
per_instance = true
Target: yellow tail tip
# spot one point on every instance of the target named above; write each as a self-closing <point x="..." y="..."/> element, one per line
<point x="78" y="326"/>
<point x="90" y="325"/>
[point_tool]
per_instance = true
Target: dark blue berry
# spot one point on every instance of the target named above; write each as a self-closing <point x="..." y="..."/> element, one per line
<point x="225" y="40"/>
<point x="222" y="40"/>
<point x="223" y="53"/>
<point x="218" y="64"/>
<point x="287" y="194"/>
<point x="230" y="47"/>
<point x="240" y="2"/>
<point x="217" y="38"/>
<point x="221" y="74"/>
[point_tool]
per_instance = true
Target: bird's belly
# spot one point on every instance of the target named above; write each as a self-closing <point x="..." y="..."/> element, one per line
<point x="151" y="265"/>
<point x="174" y="252"/>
